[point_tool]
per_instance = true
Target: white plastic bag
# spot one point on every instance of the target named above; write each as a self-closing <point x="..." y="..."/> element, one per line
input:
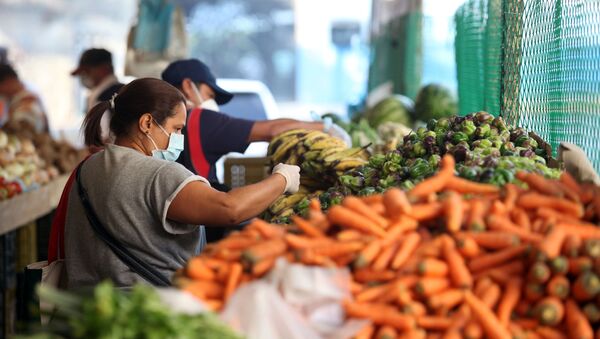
<point x="294" y="301"/>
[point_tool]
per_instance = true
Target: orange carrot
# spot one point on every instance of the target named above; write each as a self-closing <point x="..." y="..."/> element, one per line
<point x="345" y="217"/>
<point x="404" y="224"/>
<point x="372" y="199"/>
<point x="396" y="203"/>
<point x="339" y="249"/>
<point x="580" y="265"/>
<point x="488" y="320"/>
<point x="235" y="243"/>
<point x="437" y="182"/>
<point x="494" y="240"/>
<point x="534" y="291"/>
<point x="572" y="245"/>
<point x="447" y="299"/>
<point x="415" y="308"/>
<point x="228" y="255"/>
<point x="467" y="247"/>
<point x="491" y="295"/>
<point x="464" y="186"/>
<point x="197" y="269"/>
<point x="430" y="267"/>
<point x="539" y="183"/>
<point x="583" y="230"/>
<point x="204" y="289"/>
<point x="459" y="273"/>
<point x="368" y="254"/>
<point x="265" y="229"/>
<point x="357" y="205"/>
<point x="570" y="182"/>
<point x="511" y="192"/>
<point x="265" y="249"/>
<point x="504" y="272"/>
<point x="509" y="300"/>
<point x="586" y="287"/>
<point x="498" y="208"/>
<point x="213" y="304"/>
<point x="263" y="266"/>
<point x="535" y="200"/>
<point x="234" y="278"/>
<point x="344" y="260"/>
<point x="366" y="332"/>
<point x="379" y="314"/>
<point x="453" y="210"/>
<point x="426" y="211"/>
<point x="309" y="257"/>
<point x="521" y="218"/>
<point x="302" y="242"/>
<point x="473" y="331"/>
<point x="527" y="324"/>
<point x="434" y="323"/>
<point x="365" y="275"/>
<point x="407" y="247"/>
<point x="576" y="322"/>
<point x="347" y="235"/>
<point x="430" y="286"/>
<point x="498" y="223"/>
<point x="373" y="293"/>
<point x="386" y="332"/>
<point x="550" y="311"/>
<point x="496" y="258"/>
<point x="476" y="215"/>
<point x="539" y="272"/>
<point x="559" y="287"/>
<point x="308" y="228"/>
<point x="553" y="243"/>
<point x="385" y="257"/>
<point x="550" y="333"/>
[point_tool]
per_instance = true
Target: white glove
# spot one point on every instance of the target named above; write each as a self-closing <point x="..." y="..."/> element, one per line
<point x="336" y="131"/>
<point x="291" y="173"/>
<point x="577" y="163"/>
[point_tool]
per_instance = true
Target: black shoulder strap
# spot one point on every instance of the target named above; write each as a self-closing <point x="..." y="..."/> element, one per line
<point x="134" y="263"/>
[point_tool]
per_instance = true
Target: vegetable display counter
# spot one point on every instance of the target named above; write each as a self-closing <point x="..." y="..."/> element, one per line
<point x="29" y="206"/>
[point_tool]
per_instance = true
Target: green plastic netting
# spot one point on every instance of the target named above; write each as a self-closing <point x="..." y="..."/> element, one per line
<point x="478" y="56"/>
<point x="546" y="76"/>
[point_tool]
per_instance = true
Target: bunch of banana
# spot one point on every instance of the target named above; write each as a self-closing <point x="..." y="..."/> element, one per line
<point x="322" y="157"/>
<point x="288" y="205"/>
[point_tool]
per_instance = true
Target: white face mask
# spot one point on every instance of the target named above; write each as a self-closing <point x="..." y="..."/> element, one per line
<point x="87" y="82"/>
<point x="210" y="104"/>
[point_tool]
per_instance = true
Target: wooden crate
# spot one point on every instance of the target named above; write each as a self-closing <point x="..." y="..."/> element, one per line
<point x="245" y="171"/>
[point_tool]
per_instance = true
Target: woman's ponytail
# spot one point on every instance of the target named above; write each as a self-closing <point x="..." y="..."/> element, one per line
<point x="92" y="129"/>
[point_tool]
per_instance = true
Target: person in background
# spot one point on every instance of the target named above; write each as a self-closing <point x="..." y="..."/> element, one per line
<point x="144" y="199"/>
<point x="97" y="74"/>
<point x="211" y="135"/>
<point x="219" y="133"/>
<point x="23" y="106"/>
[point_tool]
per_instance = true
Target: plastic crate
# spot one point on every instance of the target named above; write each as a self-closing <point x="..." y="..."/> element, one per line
<point x="245" y="171"/>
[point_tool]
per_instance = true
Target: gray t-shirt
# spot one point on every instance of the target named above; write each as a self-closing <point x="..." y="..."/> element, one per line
<point x="131" y="193"/>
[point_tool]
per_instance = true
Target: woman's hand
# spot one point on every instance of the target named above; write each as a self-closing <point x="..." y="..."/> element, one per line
<point x="291" y="174"/>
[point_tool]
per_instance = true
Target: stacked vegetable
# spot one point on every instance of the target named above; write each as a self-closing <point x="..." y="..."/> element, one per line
<point x="113" y="313"/>
<point x="450" y="258"/>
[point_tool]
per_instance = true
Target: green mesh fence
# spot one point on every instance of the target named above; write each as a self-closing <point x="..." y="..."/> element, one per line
<point x="397" y="55"/>
<point x="478" y="48"/>
<point x="546" y="74"/>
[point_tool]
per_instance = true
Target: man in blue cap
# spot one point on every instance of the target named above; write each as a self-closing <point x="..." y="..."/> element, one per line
<point x="210" y="134"/>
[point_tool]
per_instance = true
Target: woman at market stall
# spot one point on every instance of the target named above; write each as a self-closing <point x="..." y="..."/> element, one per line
<point x="131" y="213"/>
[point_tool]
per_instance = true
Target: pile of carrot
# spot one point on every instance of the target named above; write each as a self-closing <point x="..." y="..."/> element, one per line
<point x="449" y="259"/>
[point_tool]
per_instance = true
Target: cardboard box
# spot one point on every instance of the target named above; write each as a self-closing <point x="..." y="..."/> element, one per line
<point x="245" y="171"/>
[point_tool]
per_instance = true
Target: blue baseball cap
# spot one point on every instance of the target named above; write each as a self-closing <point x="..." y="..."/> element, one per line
<point x="198" y="72"/>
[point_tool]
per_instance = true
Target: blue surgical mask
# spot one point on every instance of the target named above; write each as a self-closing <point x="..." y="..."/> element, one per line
<point x="174" y="148"/>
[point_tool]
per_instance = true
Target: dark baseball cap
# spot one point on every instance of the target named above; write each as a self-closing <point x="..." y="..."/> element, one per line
<point x="93" y="57"/>
<point x="198" y="72"/>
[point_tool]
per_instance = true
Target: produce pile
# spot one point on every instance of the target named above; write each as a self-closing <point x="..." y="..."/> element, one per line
<point x="322" y="159"/>
<point x="434" y="102"/>
<point x="30" y="160"/>
<point x="112" y="313"/>
<point x="451" y="257"/>
<point x="486" y="151"/>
